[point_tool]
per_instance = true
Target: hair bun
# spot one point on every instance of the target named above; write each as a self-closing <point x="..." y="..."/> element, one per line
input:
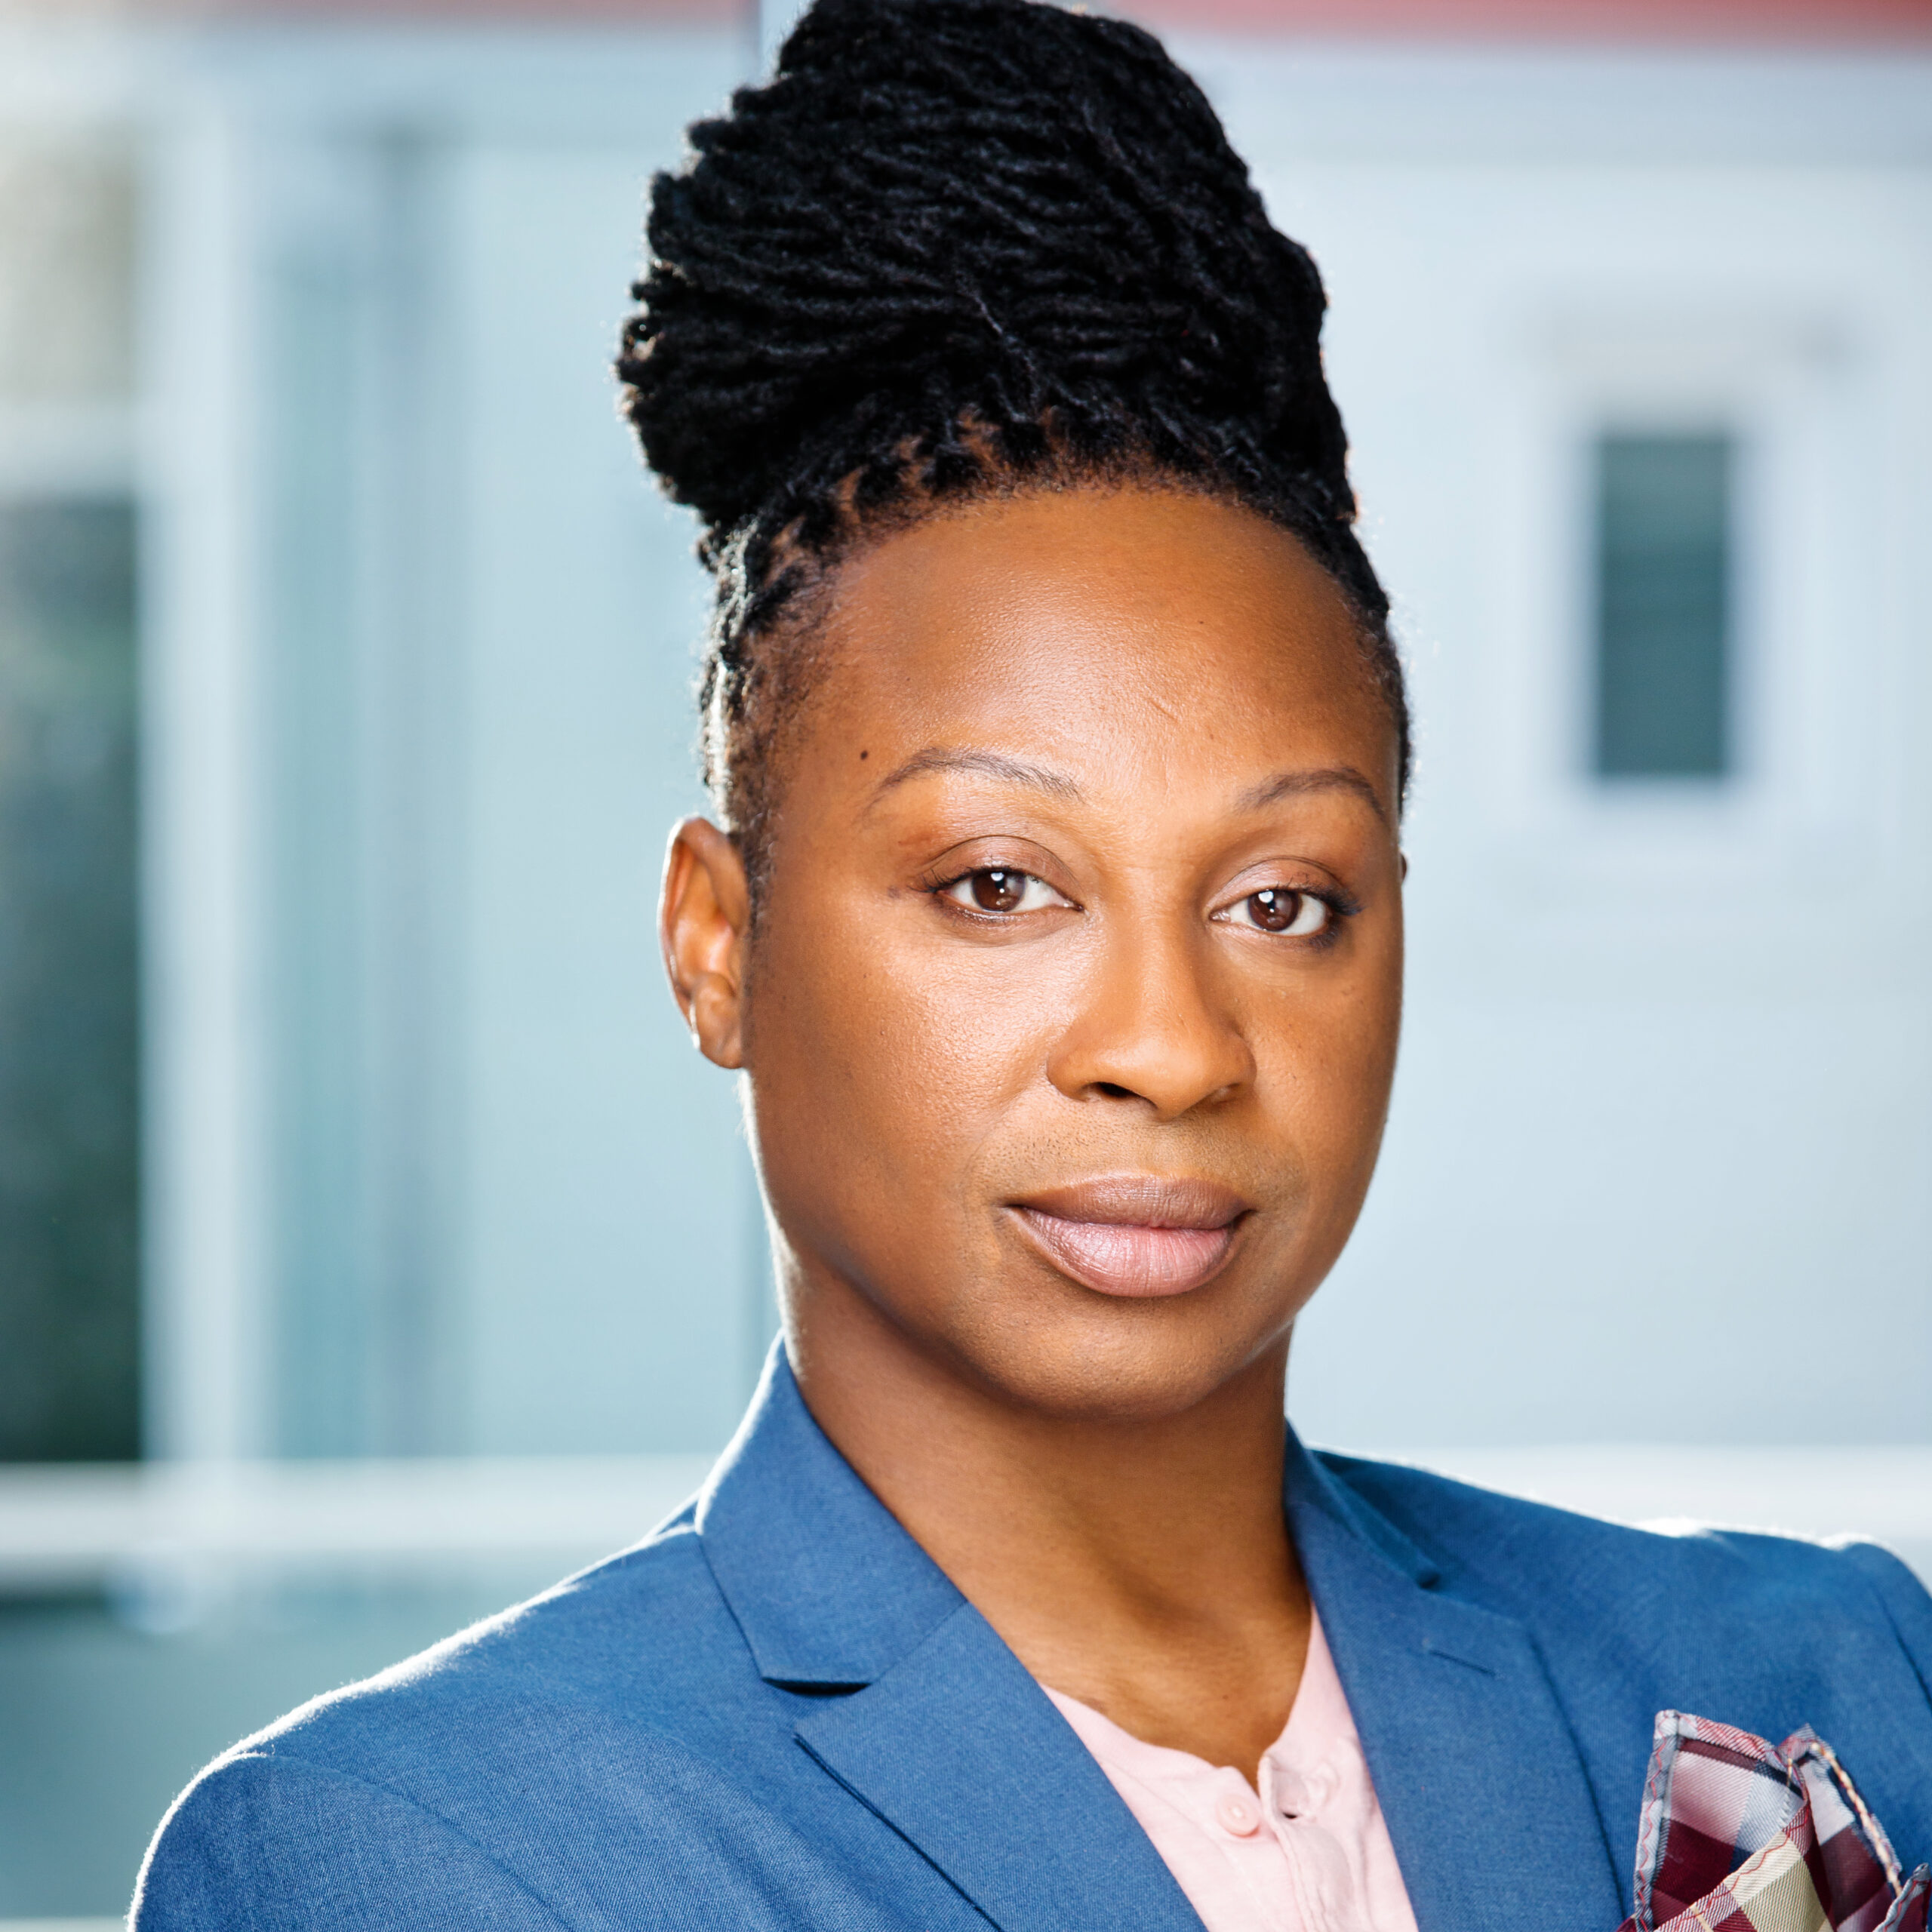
<point x="990" y="212"/>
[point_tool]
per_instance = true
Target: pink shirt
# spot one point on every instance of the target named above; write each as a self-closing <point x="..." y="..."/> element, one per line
<point x="1311" y="1855"/>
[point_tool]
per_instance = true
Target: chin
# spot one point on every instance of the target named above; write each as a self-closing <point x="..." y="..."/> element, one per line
<point x="1125" y="1362"/>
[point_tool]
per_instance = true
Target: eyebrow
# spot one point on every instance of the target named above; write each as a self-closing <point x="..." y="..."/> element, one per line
<point x="1300" y="784"/>
<point x="1015" y="771"/>
<point x="988" y="765"/>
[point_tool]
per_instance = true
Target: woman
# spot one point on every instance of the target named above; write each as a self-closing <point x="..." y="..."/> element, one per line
<point x="1053" y="919"/>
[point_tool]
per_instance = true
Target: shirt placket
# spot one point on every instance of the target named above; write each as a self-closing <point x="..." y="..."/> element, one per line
<point x="1292" y="1799"/>
<point x="1238" y="1821"/>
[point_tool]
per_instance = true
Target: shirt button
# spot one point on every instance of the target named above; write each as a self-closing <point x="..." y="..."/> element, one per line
<point x="1289" y="1791"/>
<point x="1236" y="1815"/>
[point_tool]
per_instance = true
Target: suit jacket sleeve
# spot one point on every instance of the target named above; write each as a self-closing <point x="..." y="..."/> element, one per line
<point x="279" y="1845"/>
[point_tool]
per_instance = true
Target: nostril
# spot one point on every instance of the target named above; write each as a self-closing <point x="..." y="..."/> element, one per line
<point x="1112" y="1091"/>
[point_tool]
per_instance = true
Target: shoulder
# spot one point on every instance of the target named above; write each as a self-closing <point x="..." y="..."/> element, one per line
<point x="466" y="1765"/>
<point x="643" y="1639"/>
<point x="279" y="1842"/>
<point x="1518" y="1555"/>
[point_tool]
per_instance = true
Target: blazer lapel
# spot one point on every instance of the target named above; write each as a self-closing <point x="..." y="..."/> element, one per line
<point x="958" y="1750"/>
<point x="1480" y="1782"/>
<point x="942" y="1732"/>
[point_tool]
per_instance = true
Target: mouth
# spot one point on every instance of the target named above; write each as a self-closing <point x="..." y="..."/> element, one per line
<point x="1138" y="1236"/>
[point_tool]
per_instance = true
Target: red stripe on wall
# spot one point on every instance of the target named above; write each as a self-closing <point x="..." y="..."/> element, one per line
<point x="1730" y="21"/>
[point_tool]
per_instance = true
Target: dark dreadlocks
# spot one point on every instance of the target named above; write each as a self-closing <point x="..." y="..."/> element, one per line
<point x="956" y="247"/>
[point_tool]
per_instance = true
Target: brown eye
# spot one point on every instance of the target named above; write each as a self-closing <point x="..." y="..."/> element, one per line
<point x="1278" y="909"/>
<point x="997" y="890"/>
<point x="1274" y="911"/>
<point x="1002" y="889"/>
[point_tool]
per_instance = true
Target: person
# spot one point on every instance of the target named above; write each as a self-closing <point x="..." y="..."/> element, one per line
<point x="1052" y="918"/>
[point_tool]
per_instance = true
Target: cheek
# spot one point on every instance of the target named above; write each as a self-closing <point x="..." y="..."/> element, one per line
<point x="1342" y="1065"/>
<point x="1324" y="1050"/>
<point x="878" y="1070"/>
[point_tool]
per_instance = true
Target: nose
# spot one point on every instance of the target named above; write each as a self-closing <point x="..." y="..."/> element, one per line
<point x="1151" y="1027"/>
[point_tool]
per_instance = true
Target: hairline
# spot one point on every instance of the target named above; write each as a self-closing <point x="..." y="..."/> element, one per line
<point x="803" y="616"/>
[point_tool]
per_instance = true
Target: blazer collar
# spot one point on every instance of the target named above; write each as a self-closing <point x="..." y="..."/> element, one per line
<point x="946" y="1736"/>
<point x="829" y="1592"/>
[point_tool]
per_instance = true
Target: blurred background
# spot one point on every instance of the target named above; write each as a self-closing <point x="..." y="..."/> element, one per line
<point x="373" y="1248"/>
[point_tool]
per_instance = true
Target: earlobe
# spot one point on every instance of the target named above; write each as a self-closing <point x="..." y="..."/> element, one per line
<point x="702" y="913"/>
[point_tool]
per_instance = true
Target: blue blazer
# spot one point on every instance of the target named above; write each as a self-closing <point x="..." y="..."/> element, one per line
<point x="777" y="1712"/>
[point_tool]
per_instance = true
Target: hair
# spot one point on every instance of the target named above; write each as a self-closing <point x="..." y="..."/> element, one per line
<point x="956" y="247"/>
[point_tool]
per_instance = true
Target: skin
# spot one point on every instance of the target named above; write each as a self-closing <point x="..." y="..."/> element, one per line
<point x="1119" y="714"/>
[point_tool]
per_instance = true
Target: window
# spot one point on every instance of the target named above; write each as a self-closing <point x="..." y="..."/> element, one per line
<point x="1663" y="670"/>
<point x="69" y="951"/>
<point x="69" y="1109"/>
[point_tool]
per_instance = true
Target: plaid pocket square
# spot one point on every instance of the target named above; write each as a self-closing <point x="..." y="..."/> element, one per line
<point x="1739" y="1835"/>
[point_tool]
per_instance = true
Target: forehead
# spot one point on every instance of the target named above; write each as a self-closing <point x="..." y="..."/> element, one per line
<point x="1131" y="633"/>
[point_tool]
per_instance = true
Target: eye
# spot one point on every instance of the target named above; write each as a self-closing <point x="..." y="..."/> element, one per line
<point x="1001" y="889"/>
<point x="1278" y="909"/>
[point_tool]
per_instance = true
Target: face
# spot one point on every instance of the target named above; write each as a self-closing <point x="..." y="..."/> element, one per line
<point x="1070" y="1016"/>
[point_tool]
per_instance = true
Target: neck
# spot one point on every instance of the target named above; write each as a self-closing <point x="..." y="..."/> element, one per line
<point x="1142" y="1567"/>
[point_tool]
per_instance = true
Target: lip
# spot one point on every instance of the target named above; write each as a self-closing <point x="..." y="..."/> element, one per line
<point x="1140" y="1236"/>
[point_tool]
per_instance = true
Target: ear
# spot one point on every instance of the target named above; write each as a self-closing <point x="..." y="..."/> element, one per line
<point x="701" y="923"/>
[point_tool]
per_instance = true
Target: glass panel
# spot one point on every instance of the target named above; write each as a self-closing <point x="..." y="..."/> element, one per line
<point x="66" y="274"/>
<point x="69" y="1050"/>
<point x="1663" y="571"/>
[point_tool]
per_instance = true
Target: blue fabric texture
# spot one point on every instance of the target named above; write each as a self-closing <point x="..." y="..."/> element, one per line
<point x="776" y="1712"/>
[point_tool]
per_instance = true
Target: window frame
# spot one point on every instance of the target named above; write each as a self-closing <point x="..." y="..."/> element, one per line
<point x="1787" y="387"/>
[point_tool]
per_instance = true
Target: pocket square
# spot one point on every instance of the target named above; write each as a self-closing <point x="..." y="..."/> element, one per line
<point x="1741" y="1835"/>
